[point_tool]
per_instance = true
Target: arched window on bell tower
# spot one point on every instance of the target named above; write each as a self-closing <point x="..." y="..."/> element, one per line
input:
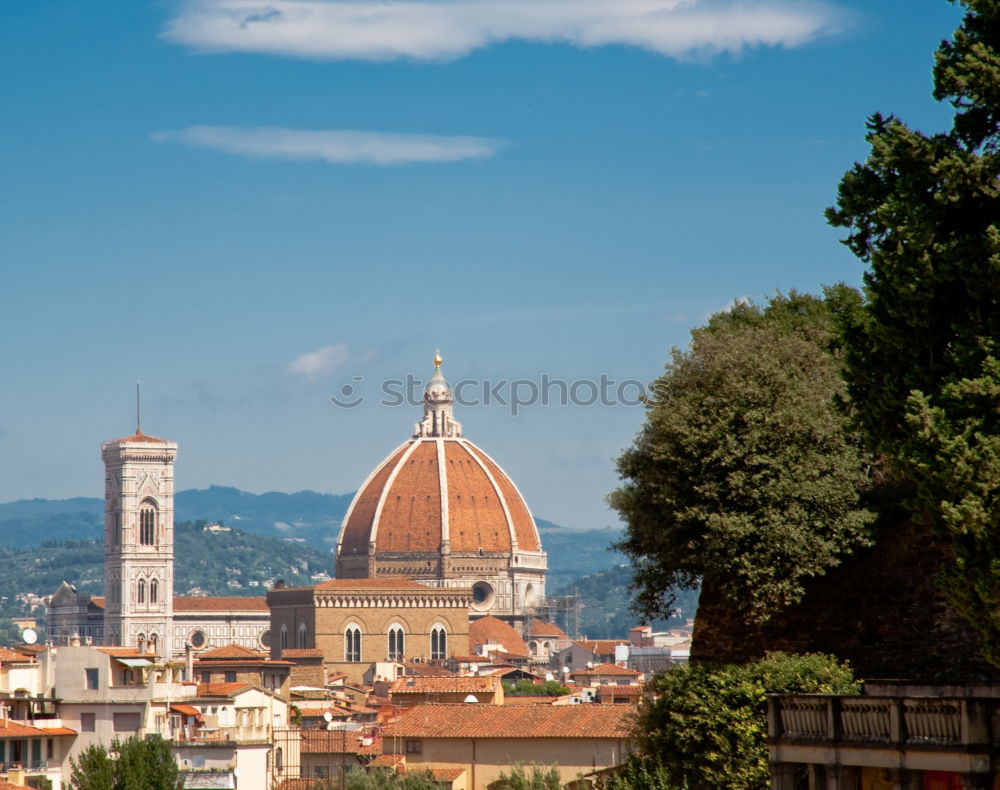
<point x="147" y="523"/>
<point x="140" y="591"/>
<point x="154" y="591"/>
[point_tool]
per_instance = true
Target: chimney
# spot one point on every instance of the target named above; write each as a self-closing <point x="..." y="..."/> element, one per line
<point x="16" y="776"/>
<point x="74" y="641"/>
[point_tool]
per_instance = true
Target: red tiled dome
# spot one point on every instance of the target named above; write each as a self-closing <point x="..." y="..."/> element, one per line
<point x="434" y="490"/>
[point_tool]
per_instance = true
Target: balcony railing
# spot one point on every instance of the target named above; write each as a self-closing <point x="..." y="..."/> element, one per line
<point x="914" y="722"/>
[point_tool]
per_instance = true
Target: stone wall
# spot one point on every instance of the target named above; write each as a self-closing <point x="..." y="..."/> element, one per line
<point x="879" y="610"/>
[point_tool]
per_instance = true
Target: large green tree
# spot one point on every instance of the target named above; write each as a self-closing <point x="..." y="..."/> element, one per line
<point x="133" y="764"/>
<point x="923" y="211"/>
<point x="704" y="728"/>
<point x="746" y="471"/>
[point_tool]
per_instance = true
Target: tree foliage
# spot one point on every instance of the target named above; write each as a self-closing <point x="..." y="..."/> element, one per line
<point x="387" y="779"/>
<point x="746" y="470"/>
<point x="133" y="764"/>
<point x="705" y="728"/>
<point x="528" y="688"/>
<point x="922" y="367"/>
<point x="540" y="777"/>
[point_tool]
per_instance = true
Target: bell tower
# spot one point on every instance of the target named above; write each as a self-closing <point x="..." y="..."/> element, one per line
<point x="139" y="542"/>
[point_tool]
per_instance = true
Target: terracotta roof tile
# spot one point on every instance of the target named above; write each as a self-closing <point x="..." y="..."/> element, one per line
<point x="221" y="689"/>
<point x="447" y="774"/>
<point x="410" y="519"/>
<point x="606" y="669"/>
<point x="11" y="729"/>
<point x="139" y="436"/>
<point x="468" y="684"/>
<point x="8" y="656"/>
<point x="220" y="604"/>
<point x="231" y="652"/>
<point x="5" y="785"/>
<point x="97" y="600"/>
<point x="331" y="741"/>
<point x="387" y="760"/>
<point x="357" y="528"/>
<point x="405" y="493"/>
<point x="524" y="524"/>
<point x="301" y="652"/>
<point x="542" y="628"/>
<point x="490" y="630"/>
<point x="476" y="517"/>
<point x="503" y="721"/>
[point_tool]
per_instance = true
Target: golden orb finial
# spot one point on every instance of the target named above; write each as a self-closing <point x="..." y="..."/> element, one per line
<point x="437" y="359"/>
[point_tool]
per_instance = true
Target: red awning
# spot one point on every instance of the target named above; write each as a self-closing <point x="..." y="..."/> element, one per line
<point x="187" y="710"/>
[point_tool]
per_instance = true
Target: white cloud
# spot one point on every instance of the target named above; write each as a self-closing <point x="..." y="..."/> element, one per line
<point x="321" y="362"/>
<point x="445" y="29"/>
<point x="337" y="146"/>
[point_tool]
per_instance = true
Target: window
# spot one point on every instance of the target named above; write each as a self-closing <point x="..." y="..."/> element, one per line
<point x="319" y="772"/>
<point x="126" y="722"/>
<point x="88" y="722"/>
<point x="91" y="675"/>
<point x="396" y="643"/>
<point x="154" y="643"/>
<point x="413" y="747"/>
<point x="206" y="677"/>
<point x="302" y="636"/>
<point x="198" y="639"/>
<point x="439" y="642"/>
<point x="147" y="524"/>
<point x="279" y="760"/>
<point x="231" y="676"/>
<point x="154" y="591"/>
<point x="352" y="644"/>
<point x="284" y="638"/>
<point x="116" y="523"/>
<point x="140" y="591"/>
<point x="36" y="750"/>
<point x="50" y="748"/>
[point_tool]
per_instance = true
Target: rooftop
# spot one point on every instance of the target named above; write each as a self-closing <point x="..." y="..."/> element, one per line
<point x="213" y="604"/>
<point x="444" y="685"/>
<point x="462" y="720"/>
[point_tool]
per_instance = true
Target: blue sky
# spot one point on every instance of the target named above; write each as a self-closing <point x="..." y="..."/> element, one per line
<point x="245" y="205"/>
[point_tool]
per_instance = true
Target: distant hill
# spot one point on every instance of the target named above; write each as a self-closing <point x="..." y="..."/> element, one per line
<point x="275" y="535"/>
<point x="313" y="517"/>
<point x="226" y="563"/>
<point x="302" y="516"/>
<point x="604" y="599"/>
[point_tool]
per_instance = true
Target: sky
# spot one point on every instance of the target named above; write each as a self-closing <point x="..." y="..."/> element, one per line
<point x="253" y="206"/>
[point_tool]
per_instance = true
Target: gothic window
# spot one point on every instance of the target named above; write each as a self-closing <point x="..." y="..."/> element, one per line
<point x="154" y="591"/>
<point x="352" y="644"/>
<point x="116" y="523"/>
<point x="140" y="591"/>
<point x="147" y="524"/>
<point x="396" y="643"/>
<point x="284" y="638"/>
<point x="439" y="642"/>
<point x="302" y="636"/>
<point x="154" y="643"/>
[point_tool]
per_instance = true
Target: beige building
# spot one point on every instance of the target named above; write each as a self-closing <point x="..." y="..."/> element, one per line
<point x="474" y="744"/>
<point x="357" y="622"/>
<point x="440" y="511"/>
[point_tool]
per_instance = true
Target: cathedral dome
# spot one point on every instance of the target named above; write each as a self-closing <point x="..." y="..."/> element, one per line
<point x="435" y="494"/>
<point x="441" y="511"/>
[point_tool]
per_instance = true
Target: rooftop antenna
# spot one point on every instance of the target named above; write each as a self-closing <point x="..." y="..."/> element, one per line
<point x="138" y="410"/>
